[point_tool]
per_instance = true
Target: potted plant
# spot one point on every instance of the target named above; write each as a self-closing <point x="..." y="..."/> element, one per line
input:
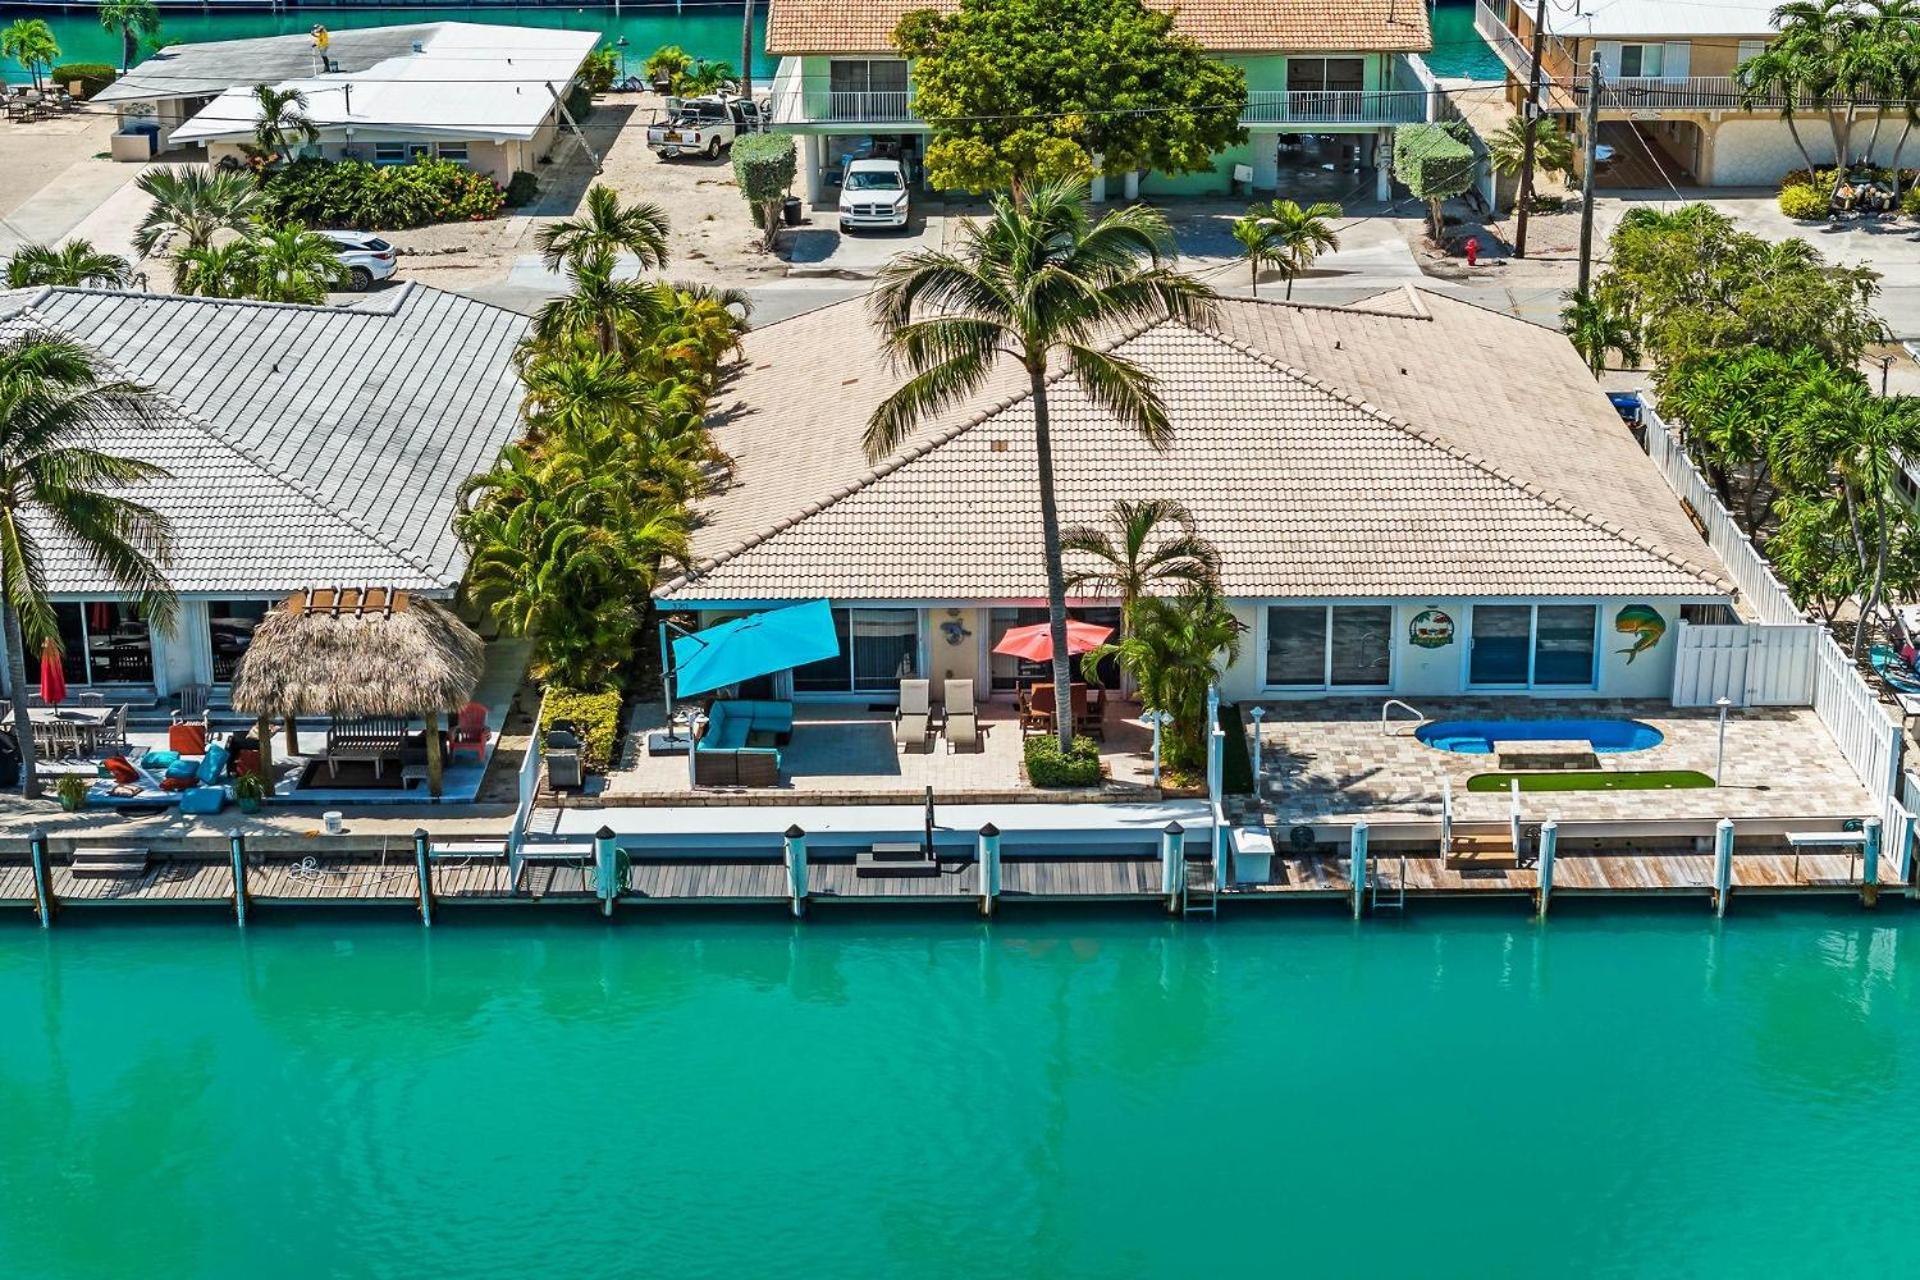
<point x="249" y="789"/>
<point x="72" y="790"/>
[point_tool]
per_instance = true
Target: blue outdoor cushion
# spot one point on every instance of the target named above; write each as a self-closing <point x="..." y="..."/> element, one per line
<point x="184" y="769"/>
<point x="203" y="800"/>
<point x="729" y="735"/>
<point x="213" y="763"/>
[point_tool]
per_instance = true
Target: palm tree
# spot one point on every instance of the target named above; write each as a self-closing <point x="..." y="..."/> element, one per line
<point x="639" y="229"/>
<point x="75" y="263"/>
<point x="132" y="19"/>
<point x="1174" y="650"/>
<point x="598" y="308"/>
<point x="53" y="399"/>
<point x="196" y="202"/>
<point x="1252" y="235"/>
<point x="1296" y="236"/>
<point x="1144" y="555"/>
<point x="1552" y="148"/>
<point x="1035" y="282"/>
<point x="30" y="42"/>
<point x="217" y="270"/>
<point x="283" y="115"/>
<point x="293" y="264"/>
<point x="1596" y="325"/>
<point x="1896" y="27"/>
<point x="1815" y="59"/>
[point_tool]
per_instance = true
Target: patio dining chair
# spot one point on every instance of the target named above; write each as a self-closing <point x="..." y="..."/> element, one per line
<point x="90" y="698"/>
<point x="963" y="716"/>
<point x="913" y="722"/>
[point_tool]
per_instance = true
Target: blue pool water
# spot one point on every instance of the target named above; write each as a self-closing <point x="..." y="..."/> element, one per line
<point x="1476" y="737"/>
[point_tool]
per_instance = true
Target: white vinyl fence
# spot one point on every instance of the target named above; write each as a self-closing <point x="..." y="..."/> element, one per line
<point x="1762" y="664"/>
<point x="1867" y="734"/>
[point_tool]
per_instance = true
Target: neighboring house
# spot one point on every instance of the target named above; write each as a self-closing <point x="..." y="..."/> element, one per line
<point x="1411" y="497"/>
<point x="308" y="446"/>
<point x="1346" y="71"/>
<point x="1670" y="106"/>
<point x="480" y="95"/>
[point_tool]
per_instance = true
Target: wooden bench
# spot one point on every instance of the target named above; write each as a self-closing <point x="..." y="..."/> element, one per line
<point x="374" y="739"/>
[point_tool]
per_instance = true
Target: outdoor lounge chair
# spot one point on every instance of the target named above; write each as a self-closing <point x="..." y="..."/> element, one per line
<point x="913" y="722"/>
<point x="963" y="716"/>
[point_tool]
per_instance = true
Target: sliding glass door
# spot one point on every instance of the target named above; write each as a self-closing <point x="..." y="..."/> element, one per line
<point x="1501" y="644"/>
<point x="878" y="649"/>
<point x="1522" y="646"/>
<point x="1329" y="646"/>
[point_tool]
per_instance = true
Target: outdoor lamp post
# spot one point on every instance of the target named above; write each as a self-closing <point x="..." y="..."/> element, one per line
<point x="621" y="45"/>
<point x="1720" y="758"/>
<point x="1258" y="713"/>
<point x="1159" y="720"/>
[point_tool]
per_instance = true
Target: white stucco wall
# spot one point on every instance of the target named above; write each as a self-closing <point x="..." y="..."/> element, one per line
<point x="1759" y="152"/>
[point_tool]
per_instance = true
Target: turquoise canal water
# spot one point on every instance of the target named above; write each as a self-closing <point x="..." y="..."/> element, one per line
<point x="514" y="1095"/>
<point x="706" y="32"/>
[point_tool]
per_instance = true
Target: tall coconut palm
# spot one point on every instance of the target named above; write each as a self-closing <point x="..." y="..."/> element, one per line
<point x="1037" y="282"/>
<point x="1596" y="325"/>
<point x="132" y="19"/>
<point x="1896" y="33"/>
<point x="30" y="42"/>
<point x="1154" y="543"/>
<point x="54" y="398"/>
<point x="292" y="264"/>
<point x="1174" y="650"/>
<point x="639" y="229"/>
<point x="1296" y="236"/>
<point x="75" y="263"/>
<point x="283" y="118"/>
<point x="195" y="202"/>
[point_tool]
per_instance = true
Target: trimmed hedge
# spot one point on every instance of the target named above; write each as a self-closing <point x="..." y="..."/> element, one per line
<point x="1803" y="203"/>
<point x="93" y="76"/>
<point x="353" y="193"/>
<point x="1047" y="767"/>
<point x="596" y="718"/>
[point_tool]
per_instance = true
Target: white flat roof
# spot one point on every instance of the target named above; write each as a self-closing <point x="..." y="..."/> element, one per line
<point x="1609" y="18"/>
<point x="469" y="80"/>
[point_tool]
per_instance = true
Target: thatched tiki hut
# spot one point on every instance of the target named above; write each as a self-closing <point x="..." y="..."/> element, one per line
<point x="353" y="653"/>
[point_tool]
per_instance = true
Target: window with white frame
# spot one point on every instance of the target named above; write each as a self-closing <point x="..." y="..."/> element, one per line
<point x="1329" y="646"/>
<point x="389" y="153"/>
<point x="1642" y="60"/>
<point x="454" y="151"/>
<point x="1530" y="646"/>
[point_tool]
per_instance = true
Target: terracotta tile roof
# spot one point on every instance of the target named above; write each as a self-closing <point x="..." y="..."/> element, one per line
<point x="1308" y="489"/>
<point x="1223" y="26"/>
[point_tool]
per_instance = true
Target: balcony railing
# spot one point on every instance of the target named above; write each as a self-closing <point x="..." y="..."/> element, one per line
<point x="823" y="106"/>
<point x="1651" y="93"/>
<point x="1493" y="29"/>
<point x="1334" y="106"/>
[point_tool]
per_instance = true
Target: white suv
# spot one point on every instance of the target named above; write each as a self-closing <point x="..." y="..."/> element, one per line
<point x="366" y="257"/>
<point x="873" y="194"/>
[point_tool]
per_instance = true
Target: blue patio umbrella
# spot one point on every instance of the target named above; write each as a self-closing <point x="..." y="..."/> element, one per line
<point x="754" y="646"/>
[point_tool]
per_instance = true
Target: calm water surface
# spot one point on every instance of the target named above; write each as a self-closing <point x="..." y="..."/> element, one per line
<point x="1450" y="1095"/>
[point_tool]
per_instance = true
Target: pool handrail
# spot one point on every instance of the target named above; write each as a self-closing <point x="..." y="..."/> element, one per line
<point x="1390" y="704"/>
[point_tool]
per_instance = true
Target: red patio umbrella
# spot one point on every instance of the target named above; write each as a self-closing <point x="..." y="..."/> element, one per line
<point x="1035" y="643"/>
<point x="53" y="675"/>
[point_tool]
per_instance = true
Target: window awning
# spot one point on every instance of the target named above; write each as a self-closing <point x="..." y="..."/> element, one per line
<point x="754" y="646"/>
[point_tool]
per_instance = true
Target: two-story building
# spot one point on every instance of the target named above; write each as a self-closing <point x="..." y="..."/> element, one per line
<point x="1671" y="107"/>
<point x="1333" y="78"/>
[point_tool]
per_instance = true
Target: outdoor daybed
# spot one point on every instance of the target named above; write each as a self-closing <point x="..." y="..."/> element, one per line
<point x="739" y="745"/>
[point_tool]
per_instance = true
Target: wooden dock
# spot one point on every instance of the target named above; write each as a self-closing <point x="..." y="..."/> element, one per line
<point x="386" y="880"/>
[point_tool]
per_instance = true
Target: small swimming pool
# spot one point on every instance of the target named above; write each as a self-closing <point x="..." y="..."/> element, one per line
<point x="1476" y="737"/>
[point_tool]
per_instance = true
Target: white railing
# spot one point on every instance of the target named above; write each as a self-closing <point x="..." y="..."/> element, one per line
<point x="1335" y="106"/>
<point x="790" y="105"/>
<point x="1493" y="29"/>
<point x="1652" y="93"/>
<point x="1867" y="735"/>
<point x="529" y="785"/>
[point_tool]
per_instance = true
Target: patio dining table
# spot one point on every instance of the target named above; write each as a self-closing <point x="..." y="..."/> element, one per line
<point x="56" y="729"/>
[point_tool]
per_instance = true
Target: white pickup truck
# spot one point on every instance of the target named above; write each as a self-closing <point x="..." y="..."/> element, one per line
<point x="704" y="126"/>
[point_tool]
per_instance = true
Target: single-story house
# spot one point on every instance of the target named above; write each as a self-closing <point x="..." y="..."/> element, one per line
<point x="478" y="94"/>
<point x="307" y="447"/>
<point x="1411" y="496"/>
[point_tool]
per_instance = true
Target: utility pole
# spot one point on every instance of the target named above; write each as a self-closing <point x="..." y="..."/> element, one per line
<point x="746" y="52"/>
<point x="1529" y="115"/>
<point x="1586" y="175"/>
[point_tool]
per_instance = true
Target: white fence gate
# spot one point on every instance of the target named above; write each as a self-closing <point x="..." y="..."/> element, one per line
<point x="1762" y="665"/>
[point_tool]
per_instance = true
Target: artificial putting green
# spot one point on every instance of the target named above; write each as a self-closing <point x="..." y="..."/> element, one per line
<point x="1593" y="780"/>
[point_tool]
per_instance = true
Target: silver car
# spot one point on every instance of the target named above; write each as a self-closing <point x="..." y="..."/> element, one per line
<point x="366" y="257"/>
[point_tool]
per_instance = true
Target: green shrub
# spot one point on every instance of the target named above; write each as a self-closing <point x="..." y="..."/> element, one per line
<point x="596" y="718"/>
<point x="1803" y="203"/>
<point x="93" y="76"/>
<point x="579" y="103"/>
<point x="522" y="189"/>
<point x="1048" y="767"/>
<point x="763" y="165"/>
<point x="353" y="193"/>
<point x="669" y="63"/>
<point x="599" y="69"/>
<point x="1910" y="201"/>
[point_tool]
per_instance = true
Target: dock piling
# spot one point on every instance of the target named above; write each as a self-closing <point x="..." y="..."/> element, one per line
<point x="795" y="844"/>
<point x="606" y="864"/>
<point x="1870" y="862"/>
<point x="1173" y="864"/>
<point x="237" y="847"/>
<point x="42" y="878"/>
<point x="989" y="855"/>
<point x="1549" y="846"/>
<point x="1357" y="865"/>
<point x="423" y="869"/>
<point x="1722" y="865"/>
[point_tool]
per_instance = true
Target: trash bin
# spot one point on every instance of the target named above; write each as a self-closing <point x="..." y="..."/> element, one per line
<point x="9" y="759"/>
<point x="790" y="211"/>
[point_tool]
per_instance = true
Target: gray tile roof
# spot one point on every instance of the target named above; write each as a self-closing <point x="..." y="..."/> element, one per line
<point x="373" y="414"/>
<point x="212" y="66"/>
<point x="1308" y="489"/>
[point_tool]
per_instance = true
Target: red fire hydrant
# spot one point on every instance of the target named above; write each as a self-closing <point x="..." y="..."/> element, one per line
<point x="1473" y="250"/>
